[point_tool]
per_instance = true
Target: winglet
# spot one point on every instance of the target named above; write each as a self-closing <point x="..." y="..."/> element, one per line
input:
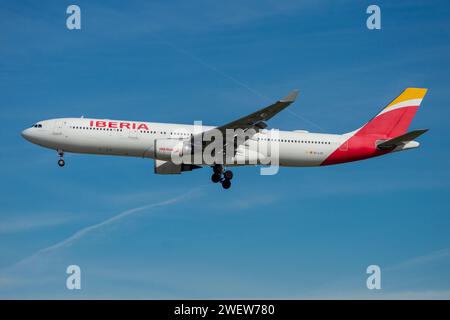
<point x="290" y="97"/>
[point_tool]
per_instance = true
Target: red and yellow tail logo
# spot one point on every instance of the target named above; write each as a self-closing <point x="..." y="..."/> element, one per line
<point x="395" y="118"/>
<point x="411" y="97"/>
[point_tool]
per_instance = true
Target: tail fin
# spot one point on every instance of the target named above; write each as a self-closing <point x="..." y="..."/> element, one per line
<point x="395" y="118"/>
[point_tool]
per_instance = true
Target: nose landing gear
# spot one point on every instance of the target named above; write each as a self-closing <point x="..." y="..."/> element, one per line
<point x="61" y="161"/>
<point x="220" y="175"/>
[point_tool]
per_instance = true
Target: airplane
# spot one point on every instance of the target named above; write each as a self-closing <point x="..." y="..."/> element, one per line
<point x="383" y="134"/>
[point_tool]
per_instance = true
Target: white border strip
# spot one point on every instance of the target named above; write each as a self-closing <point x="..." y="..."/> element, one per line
<point x="407" y="103"/>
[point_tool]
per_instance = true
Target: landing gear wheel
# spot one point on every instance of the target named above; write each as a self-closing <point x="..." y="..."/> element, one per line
<point x="215" y="177"/>
<point x="222" y="176"/>
<point x="61" y="162"/>
<point x="226" y="184"/>
<point x="228" y="174"/>
<point x="218" y="169"/>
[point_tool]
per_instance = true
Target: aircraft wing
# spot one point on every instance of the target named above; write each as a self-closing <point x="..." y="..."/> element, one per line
<point x="255" y="120"/>
<point x="403" y="139"/>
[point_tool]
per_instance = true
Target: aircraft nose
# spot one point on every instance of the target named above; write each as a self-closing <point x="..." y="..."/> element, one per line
<point x="26" y="134"/>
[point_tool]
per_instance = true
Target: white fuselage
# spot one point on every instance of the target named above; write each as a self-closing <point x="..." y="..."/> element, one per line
<point x="137" y="139"/>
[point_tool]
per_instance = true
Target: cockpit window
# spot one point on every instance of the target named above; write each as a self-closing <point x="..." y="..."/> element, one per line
<point x="37" y="125"/>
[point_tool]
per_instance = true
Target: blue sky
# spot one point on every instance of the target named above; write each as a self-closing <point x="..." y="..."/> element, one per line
<point x="303" y="233"/>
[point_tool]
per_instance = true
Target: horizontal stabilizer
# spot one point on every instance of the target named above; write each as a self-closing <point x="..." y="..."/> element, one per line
<point x="400" y="140"/>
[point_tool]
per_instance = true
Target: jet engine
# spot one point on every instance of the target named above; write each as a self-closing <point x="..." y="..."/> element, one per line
<point x="169" y="149"/>
<point x="168" y="167"/>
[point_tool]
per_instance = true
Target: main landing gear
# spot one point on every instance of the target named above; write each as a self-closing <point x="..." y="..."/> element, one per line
<point x="61" y="161"/>
<point x="221" y="175"/>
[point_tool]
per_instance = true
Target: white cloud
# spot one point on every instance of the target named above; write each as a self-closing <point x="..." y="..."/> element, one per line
<point x="420" y="294"/>
<point x="424" y="259"/>
<point x="29" y="222"/>
<point x="380" y="295"/>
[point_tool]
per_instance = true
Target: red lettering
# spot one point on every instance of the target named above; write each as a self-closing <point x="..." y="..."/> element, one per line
<point x="121" y="125"/>
<point x="142" y="126"/>
<point x="124" y="125"/>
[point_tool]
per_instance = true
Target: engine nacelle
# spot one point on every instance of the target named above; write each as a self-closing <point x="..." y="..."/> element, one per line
<point x="168" y="149"/>
<point x="168" y="167"/>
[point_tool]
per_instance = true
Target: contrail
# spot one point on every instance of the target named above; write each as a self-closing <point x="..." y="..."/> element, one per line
<point x="82" y="232"/>
<point x="233" y="79"/>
